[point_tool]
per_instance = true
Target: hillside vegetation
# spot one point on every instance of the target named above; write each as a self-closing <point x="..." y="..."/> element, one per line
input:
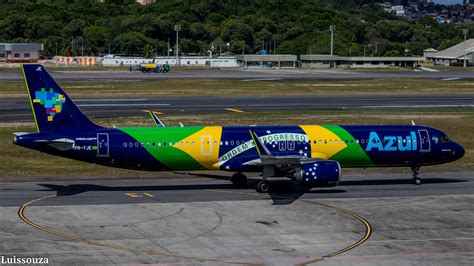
<point x="296" y="27"/>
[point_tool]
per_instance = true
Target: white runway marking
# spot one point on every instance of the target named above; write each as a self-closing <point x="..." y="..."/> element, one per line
<point x="447" y="79"/>
<point x="111" y="100"/>
<point x="125" y="104"/>
<point x="262" y="79"/>
<point x="421" y="106"/>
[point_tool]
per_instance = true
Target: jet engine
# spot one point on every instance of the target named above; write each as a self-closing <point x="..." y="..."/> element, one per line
<point x="322" y="173"/>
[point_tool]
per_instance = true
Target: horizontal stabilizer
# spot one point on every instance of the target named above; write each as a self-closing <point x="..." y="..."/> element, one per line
<point x="20" y="133"/>
<point x="60" y="144"/>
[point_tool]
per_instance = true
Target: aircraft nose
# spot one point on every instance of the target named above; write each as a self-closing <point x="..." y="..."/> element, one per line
<point x="459" y="151"/>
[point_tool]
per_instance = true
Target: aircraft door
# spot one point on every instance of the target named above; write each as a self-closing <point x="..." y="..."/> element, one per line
<point x="206" y="145"/>
<point x="425" y="144"/>
<point x="102" y="145"/>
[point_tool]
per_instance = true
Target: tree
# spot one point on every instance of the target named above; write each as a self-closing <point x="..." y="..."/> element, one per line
<point x="97" y="37"/>
<point x="131" y="43"/>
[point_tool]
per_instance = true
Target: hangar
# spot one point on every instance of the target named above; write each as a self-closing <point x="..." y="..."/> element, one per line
<point x="265" y="60"/>
<point x="327" y="61"/>
<point x="20" y="52"/>
<point x="454" y="55"/>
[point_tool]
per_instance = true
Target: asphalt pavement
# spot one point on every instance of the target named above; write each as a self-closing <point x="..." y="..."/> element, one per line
<point x="373" y="217"/>
<point x="239" y="74"/>
<point x="13" y="110"/>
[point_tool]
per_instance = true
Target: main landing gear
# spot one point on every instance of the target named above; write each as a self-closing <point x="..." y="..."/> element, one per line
<point x="239" y="179"/>
<point x="262" y="186"/>
<point x="416" y="179"/>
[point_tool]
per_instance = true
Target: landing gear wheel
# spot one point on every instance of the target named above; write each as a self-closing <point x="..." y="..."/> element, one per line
<point x="262" y="187"/>
<point x="417" y="180"/>
<point x="239" y="179"/>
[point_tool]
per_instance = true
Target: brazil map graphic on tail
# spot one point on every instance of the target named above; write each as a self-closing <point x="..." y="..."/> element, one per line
<point x="310" y="155"/>
<point x="52" y="102"/>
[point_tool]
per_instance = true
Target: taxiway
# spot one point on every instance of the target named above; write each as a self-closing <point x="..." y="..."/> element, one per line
<point x="373" y="217"/>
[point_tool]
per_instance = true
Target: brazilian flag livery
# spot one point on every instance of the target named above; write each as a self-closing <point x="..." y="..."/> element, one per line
<point x="299" y="151"/>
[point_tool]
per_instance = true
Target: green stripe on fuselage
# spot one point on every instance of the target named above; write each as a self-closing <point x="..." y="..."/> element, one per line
<point x="173" y="158"/>
<point x="353" y="154"/>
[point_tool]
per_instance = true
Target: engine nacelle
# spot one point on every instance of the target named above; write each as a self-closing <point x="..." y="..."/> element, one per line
<point x="322" y="173"/>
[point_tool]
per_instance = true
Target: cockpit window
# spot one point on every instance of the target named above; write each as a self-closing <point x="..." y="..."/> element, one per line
<point x="444" y="139"/>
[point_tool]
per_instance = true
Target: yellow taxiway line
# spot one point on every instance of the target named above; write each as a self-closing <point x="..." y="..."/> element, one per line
<point x="234" y="110"/>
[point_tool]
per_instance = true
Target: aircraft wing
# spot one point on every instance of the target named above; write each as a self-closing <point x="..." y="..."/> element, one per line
<point x="282" y="162"/>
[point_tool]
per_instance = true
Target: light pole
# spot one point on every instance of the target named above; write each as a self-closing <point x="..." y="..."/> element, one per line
<point x="332" y="28"/>
<point x="177" y="28"/>
<point x="465" y="32"/>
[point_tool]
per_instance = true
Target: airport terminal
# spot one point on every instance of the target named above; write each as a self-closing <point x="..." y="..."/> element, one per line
<point x="205" y="133"/>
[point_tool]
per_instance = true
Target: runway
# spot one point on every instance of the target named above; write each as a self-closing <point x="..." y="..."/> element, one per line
<point x="201" y="218"/>
<point x="239" y="74"/>
<point x="19" y="110"/>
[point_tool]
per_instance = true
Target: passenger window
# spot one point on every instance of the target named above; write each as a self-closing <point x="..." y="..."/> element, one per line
<point x="237" y="142"/>
<point x="125" y="144"/>
<point x="226" y="143"/>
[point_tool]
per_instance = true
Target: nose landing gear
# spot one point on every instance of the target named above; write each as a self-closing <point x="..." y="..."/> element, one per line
<point x="416" y="179"/>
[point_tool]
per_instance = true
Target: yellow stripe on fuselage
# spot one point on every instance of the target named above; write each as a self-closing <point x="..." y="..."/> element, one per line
<point x="203" y="152"/>
<point x="321" y="150"/>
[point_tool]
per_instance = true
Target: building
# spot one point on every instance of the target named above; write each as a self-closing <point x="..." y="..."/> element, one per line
<point x="399" y="10"/>
<point x="267" y="61"/>
<point x="20" y="52"/>
<point x="454" y="55"/>
<point x="222" y="61"/>
<point x="327" y="61"/>
<point x="75" y="60"/>
<point x="429" y="52"/>
<point x="146" y="2"/>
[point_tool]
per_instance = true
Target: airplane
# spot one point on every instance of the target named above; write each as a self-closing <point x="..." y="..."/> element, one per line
<point x="310" y="155"/>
